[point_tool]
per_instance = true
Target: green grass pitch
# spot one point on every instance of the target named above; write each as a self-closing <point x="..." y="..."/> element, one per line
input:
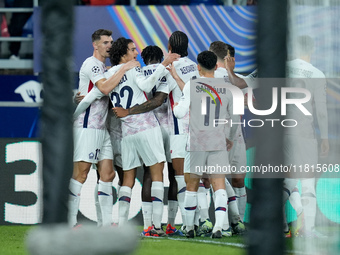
<point x="12" y="241"/>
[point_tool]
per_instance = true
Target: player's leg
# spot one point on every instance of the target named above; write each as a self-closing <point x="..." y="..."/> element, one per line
<point x="218" y="184"/>
<point x="105" y="198"/>
<point x="240" y="193"/>
<point x="308" y="199"/>
<point x="87" y="145"/>
<point x="233" y="213"/>
<point x="177" y="164"/>
<point x="205" y="224"/>
<point x="190" y="203"/>
<point x="177" y="146"/>
<point x="157" y="196"/>
<point x="295" y="201"/>
<point x="96" y="203"/>
<point x="146" y="202"/>
<point x="120" y="173"/>
<point x="107" y="174"/>
<point x="124" y="196"/>
<point x="172" y="201"/>
<point x="238" y="159"/>
<point x="149" y="145"/>
<point x="289" y="185"/>
<point x="192" y="179"/>
<point x="172" y="191"/>
<point x="130" y="162"/>
<point x="80" y="171"/>
<point x="202" y="199"/>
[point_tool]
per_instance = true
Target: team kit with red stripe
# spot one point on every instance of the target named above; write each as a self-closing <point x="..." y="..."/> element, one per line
<point x="91" y="138"/>
<point x="146" y="138"/>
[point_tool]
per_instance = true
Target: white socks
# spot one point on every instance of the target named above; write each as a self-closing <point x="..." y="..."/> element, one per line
<point x="147" y="214"/>
<point x="98" y="210"/>
<point x="308" y="199"/>
<point x="105" y="199"/>
<point x="203" y="202"/>
<point x="73" y="202"/>
<point x="124" y="199"/>
<point x="241" y="199"/>
<point x="295" y="201"/>
<point x="233" y="212"/>
<point x="157" y="195"/>
<point x="190" y="205"/>
<point x="172" y="211"/>
<point x="220" y="209"/>
<point x="181" y="187"/>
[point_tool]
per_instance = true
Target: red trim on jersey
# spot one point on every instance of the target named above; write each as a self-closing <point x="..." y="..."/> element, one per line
<point x="90" y="86"/>
<point x="145" y="96"/>
<point x="171" y="100"/>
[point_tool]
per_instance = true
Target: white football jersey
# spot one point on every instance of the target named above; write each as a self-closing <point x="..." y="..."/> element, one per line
<point x="251" y="80"/>
<point x="205" y="133"/>
<point x="129" y="93"/>
<point x="95" y="115"/>
<point x="223" y="73"/>
<point x="186" y="69"/>
<point x="305" y="75"/>
<point x="161" y="112"/>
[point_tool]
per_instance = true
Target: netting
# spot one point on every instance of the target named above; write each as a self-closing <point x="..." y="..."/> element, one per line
<point x="320" y="198"/>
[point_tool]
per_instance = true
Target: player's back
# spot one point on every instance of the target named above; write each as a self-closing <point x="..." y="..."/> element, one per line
<point x="299" y="68"/>
<point x="304" y="75"/>
<point x="186" y="69"/>
<point x="208" y="131"/>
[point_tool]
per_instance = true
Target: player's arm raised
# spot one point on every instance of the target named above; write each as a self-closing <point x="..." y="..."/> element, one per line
<point x="94" y="94"/>
<point x="107" y="85"/>
<point x="179" y="81"/>
<point x="182" y="108"/>
<point x="229" y="63"/>
<point x="147" y="83"/>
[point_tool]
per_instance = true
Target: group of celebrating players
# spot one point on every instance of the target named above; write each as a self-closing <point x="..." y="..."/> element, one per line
<point x="129" y="117"/>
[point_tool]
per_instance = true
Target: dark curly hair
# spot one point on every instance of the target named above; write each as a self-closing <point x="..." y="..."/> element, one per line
<point x="207" y="59"/>
<point x="179" y="43"/>
<point x="152" y="53"/>
<point x="118" y="50"/>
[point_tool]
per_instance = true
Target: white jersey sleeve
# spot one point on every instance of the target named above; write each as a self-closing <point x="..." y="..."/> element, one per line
<point x="315" y="82"/>
<point x="94" y="94"/>
<point x="182" y="108"/>
<point x="95" y="115"/>
<point x="252" y="80"/>
<point x="146" y="83"/>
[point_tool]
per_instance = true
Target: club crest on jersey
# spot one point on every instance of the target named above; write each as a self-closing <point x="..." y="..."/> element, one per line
<point x="95" y="69"/>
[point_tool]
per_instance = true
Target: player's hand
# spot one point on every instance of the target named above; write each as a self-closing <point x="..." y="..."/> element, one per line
<point x="229" y="144"/>
<point x="172" y="70"/>
<point x="120" y="112"/>
<point x="77" y="98"/>
<point x="229" y="62"/>
<point x="131" y="64"/>
<point x="171" y="57"/>
<point x="324" y="148"/>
